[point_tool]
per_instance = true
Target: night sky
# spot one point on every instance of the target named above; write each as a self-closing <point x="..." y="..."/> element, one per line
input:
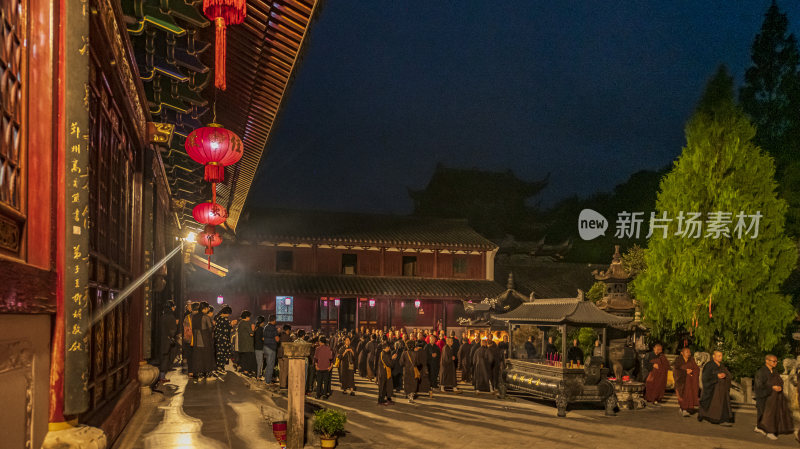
<point x="587" y="91"/>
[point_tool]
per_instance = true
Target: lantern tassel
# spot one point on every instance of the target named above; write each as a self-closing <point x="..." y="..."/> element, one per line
<point x="209" y="262"/>
<point x="219" y="54"/>
<point x="214" y="173"/>
<point x="214" y="193"/>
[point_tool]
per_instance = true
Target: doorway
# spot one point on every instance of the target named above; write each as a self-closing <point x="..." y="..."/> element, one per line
<point x="347" y="314"/>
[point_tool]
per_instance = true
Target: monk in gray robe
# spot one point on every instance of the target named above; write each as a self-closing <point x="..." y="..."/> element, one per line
<point x="447" y="370"/>
<point x="482" y="368"/>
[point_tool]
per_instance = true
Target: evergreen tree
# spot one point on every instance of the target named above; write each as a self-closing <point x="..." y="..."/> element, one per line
<point x="771" y="97"/>
<point x="769" y="94"/>
<point x="726" y="287"/>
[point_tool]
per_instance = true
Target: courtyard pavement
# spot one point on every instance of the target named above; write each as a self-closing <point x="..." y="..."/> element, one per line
<point x="235" y="413"/>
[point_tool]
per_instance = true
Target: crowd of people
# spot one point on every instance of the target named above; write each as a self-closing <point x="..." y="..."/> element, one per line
<point x="416" y="363"/>
<point x="410" y="363"/>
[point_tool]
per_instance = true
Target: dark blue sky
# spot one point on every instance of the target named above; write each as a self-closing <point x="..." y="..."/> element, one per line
<point x="585" y="90"/>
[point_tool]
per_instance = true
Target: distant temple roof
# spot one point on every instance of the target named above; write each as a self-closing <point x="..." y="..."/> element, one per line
<point x="349" y="285"/>
<point x="576" y="311"/>
<point x="485" y="181"/>
<point x="358" y="229"/>
<point x="548" y="279"/>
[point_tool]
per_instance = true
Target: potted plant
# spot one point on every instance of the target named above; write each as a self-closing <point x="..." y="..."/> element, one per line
<point x="329" y="423"/>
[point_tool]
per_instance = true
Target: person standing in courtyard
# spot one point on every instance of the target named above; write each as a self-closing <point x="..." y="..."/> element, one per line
<point x="575" y="353"/>
<point x="247" y="354"/>
<point x="495" y="363"/>
<point x="202" y="337"/>
<point x="372" y="350"/>
<point x="347" y="366"/>
<point x="482" y="371"/>
<point x="323" y="362"/>
<point x="447" y="372"/>
<point x="258" y="345"/>
<point x="361" y="355"/>
<point x="772" y="413"/>
<point x="715" y="402"/>
<point x="656" y="381"/>
<point x="411" y="374"/>
<point x="386" y="362"/>
<point x="283" y="361"/>
<point x="170" y="335"/>
<point x="687" y="380"/>
<point x="464" y="360"/>
<point x="222" y="339"/>
<point x="435" y="355"/>
<point x="270" y="348"/>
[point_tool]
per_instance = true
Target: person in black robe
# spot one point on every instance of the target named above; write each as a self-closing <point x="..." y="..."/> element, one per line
<point x="423" y="361"/>
<point x="476" y="344"/>
<point x="773" y="415"/>
<point x="575" y="353"/>
<point x="456" y="346"/>
<point x="386" y="363"/>
<point x="411" y="374"/>
<point x="447" y="372"/>
<point x="715" y="402"/>
<point x="504" y="346"/>
<point x="464" y="360"/>
<point x="495" y="363"/>
<point x="530" y="348"/>
<point x="434" y="357"/>
<point x="482" y="368"/>
<point x="347" y="368"/>
<point x="397" y="374"/>
<point x="372" y="350"/>
<point x="550" y="350"/>
<point x="361" y="354"/>
<point x="203" y="343"/>
<point x="169" y="335"/>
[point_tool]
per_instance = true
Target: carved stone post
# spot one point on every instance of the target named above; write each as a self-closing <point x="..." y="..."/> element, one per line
<point x="297" y="352"/>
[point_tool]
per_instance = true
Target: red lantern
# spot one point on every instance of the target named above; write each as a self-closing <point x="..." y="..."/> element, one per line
<point x="209" y="238"/>
<point x="209" y="214"/>
<point x="210" y="146"/>
<point x="223" y="13"/>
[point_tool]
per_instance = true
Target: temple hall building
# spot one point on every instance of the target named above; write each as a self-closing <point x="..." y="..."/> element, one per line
<point x="336" y="270"/>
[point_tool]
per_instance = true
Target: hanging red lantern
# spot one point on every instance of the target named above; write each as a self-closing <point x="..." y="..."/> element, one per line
<point x="210" y="239"/>
<point x="209" y="213"/>
<point x="210" y="146"/>
<point x="223" y="13"/>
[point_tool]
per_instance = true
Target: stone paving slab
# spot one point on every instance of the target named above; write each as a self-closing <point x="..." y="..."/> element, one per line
<point x="234" y="414"/>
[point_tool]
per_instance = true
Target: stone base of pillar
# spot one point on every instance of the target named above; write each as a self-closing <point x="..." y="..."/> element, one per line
<point x="147" y="375"/>
<point x="80" y="437"/>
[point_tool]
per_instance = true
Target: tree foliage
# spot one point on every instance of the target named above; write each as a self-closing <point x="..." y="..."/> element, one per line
<point x="771" y="98"/>
<point x="726" y="287"/>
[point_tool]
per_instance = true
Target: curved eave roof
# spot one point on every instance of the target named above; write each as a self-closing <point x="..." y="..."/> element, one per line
<point x="262" y="53"/>
<point x="561" y="311"/>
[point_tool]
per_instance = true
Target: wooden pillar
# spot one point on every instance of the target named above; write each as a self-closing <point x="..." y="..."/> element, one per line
<point x="391" y="309"/>
<point x="444" y="317"/>
<point x="383" y="261"/>
<point x="603" y="346"/>
<point x="436" y="263"/>
<point x="297" y="352"/>
<point x="563" y="342"/>
<point x="74" y="273"/>
<point x="544" y="343"/>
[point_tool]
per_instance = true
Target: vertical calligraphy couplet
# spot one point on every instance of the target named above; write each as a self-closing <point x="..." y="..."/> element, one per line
<point x="76" y="171"/>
